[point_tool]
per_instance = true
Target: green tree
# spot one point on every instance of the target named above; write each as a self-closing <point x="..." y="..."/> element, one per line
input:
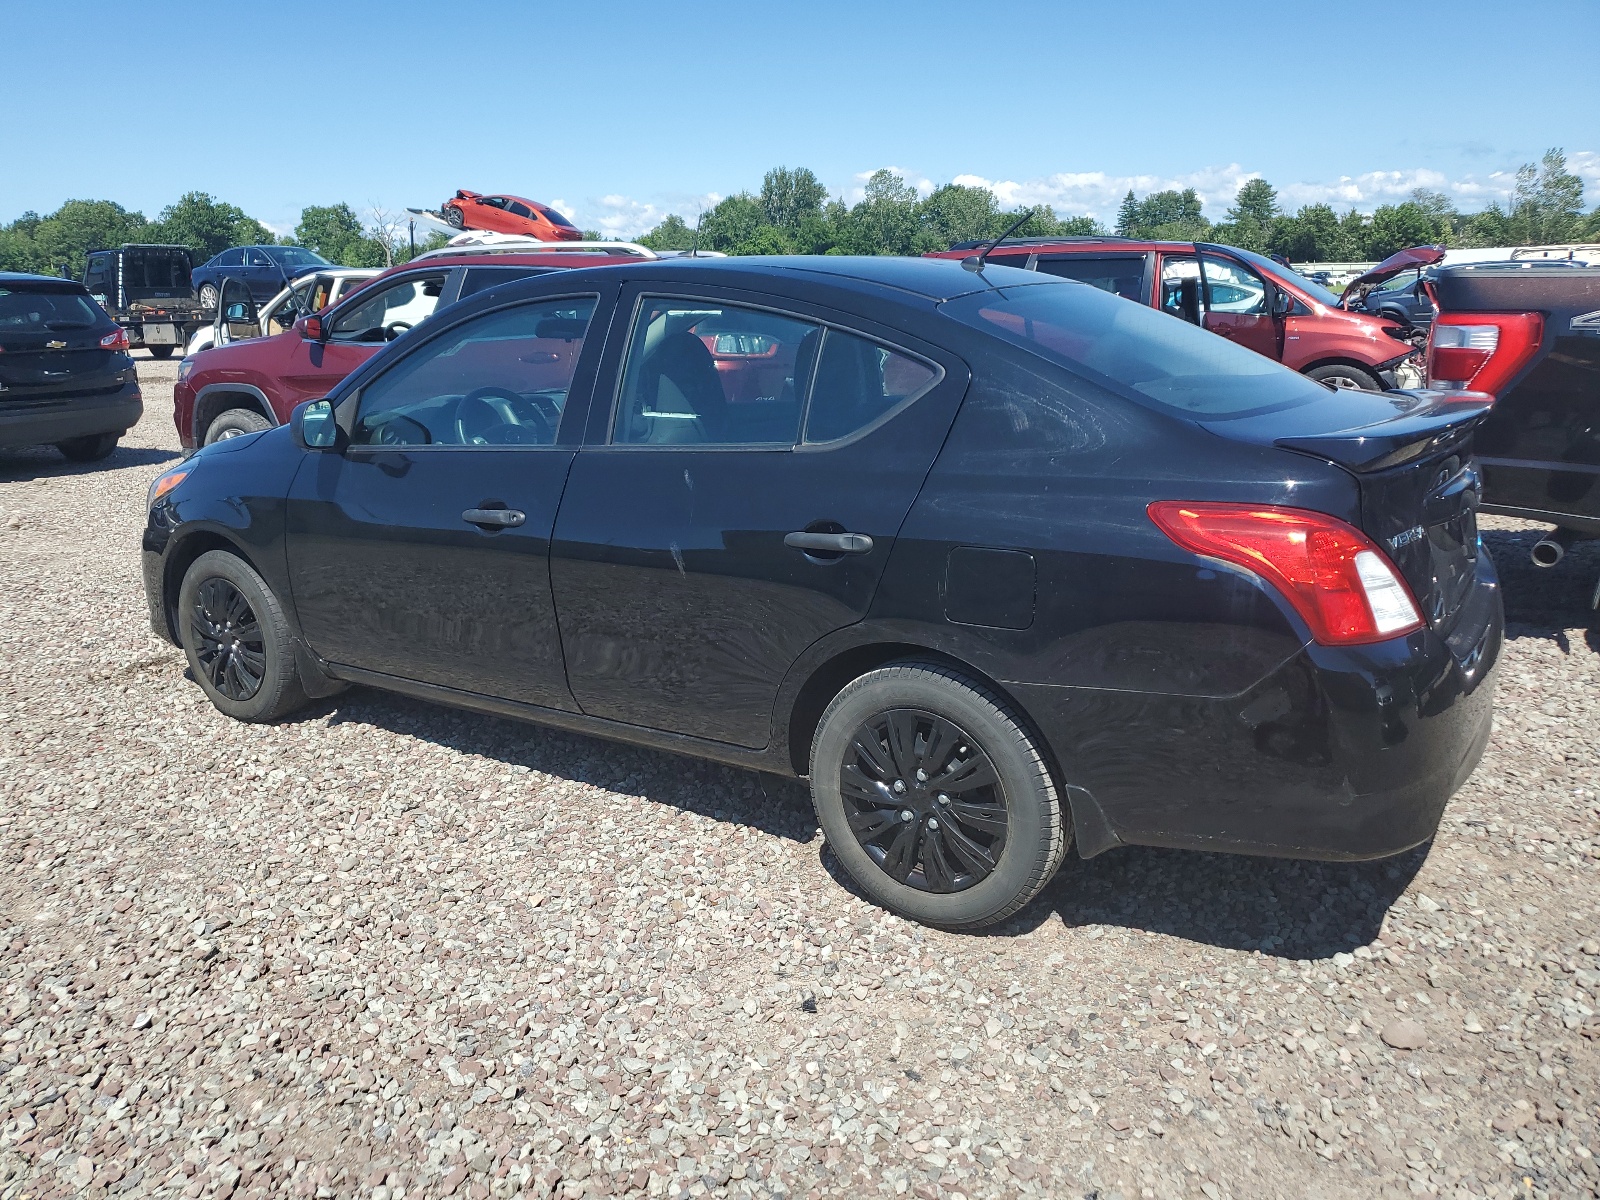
<point x="207" y="226"/>
<point x="1171" y="215"/>
<point x="789" y="197"/>
<point x="885" y="221"/>
<point x="1548" y="201"/>
<point x="733" y="224"/>
<point x="958" y="213"/>
<point x="672" y="234"/>
<point x="1311" y="235"/>
<point x="335" y="232"/>
<point x="48" y="245"/>
<point x="1250" y="221"/>
<point x="1396" y="227"/>
<point x="1128" y="215"/>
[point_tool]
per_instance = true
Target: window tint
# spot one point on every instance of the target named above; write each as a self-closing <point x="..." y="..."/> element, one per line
<point x="1169" y="364"/>
<point x="493" y="201"/>
<point x="389" y="311"/>
<point x="254" y="258"/>
<point x="857" y="383"/>
<point x="518" y="209"/>
<point x="1122" y="276"/>
<point x="44" y="308"/>
<point x="297" y="257"/>
<point x="498" y="380"/>
<point x="231" y="258"/>
<point x="713" y="374"/>
<point x="556" y="218"/>
<point x="479" y="278"/>
<point x="98" y="277"/>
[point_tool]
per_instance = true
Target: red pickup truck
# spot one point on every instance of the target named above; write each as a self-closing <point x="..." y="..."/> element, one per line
<point x="247" y="386"/>
<point x="1234" y="293"/>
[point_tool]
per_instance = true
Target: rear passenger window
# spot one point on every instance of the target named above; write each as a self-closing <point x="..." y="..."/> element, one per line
<point x="711" y="374"/>
<point x="1121" y="276"/>
<point x="480" y="278"/>
<point x="858" y="384"/>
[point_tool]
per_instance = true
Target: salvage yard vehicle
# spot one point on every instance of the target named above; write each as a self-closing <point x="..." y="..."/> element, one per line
<point x="66" y="378"/>
<point x="1245" y="297"/>
<point x="508" y="214"/>
<point x="1528" y="332"/>
<point x="265" y="270"/>
<point x="998" y="561"/>
<point x="146" y="290"/>
<point x="254" y="383"/>
<point x="307" y="294"/>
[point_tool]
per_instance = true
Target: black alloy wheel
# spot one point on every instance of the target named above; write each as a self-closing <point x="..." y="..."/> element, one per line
<point x="924" y="800"/>
<point x="228" y="639"/>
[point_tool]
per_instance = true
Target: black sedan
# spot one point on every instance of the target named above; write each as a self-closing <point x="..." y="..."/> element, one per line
<point x="1000" y="562"/>
<point x="66" y="378"/>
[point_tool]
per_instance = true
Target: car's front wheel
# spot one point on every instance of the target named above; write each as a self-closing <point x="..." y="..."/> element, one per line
<point x="235" y="422"/>
<point x="237" y="639"/>
<point x="1341" y="376"/>
<point x="934" y="796"/>
<point x="208" y="295"/>
<point x="454" y="217"/>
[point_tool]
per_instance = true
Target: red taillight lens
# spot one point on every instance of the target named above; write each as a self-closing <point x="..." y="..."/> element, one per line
<point x="115" y="341"/>
<point x="1481" y="351"/>
<point x="1340" y="583"/>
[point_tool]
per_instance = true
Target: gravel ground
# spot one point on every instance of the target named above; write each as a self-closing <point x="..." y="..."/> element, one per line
<point x="390" y="950"/>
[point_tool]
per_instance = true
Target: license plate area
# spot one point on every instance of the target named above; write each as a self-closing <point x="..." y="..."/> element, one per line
<point x="161" y="335"/>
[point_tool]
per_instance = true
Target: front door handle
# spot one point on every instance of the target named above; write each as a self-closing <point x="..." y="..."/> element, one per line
<point x="830" y="543"/>
<point x="494" y="518"/>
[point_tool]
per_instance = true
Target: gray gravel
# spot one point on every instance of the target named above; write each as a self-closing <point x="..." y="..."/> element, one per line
<point x="390" y="950"/>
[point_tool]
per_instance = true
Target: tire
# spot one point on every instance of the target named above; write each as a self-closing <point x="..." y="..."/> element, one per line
<point x="235" y="422"/>
<point x="1339" y="375"/>
<point x="160" y="351"/>
<point x="454" y="218"/>
<point x="92" y="448"/>
<point x="250" y="677"/>
<point x="208" y="295"/>
<point x="1015" y="823"/>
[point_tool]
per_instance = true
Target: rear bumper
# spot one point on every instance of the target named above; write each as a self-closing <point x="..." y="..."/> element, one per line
<point x="1338" y="754"/>
<point x="71" y="417"/>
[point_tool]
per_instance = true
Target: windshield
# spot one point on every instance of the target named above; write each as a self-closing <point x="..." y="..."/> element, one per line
<point x="1156" y="358"/>
<point x="33" y="310"/>
<point x="297" y="256"/>
<point x="1315" y="290"/>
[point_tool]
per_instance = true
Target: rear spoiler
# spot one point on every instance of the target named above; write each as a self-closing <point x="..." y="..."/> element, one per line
<point x="1438" y="420"/>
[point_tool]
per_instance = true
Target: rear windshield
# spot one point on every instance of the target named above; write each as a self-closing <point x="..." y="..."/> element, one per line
<point x="157" y="270"/>
<point x="297" y="256"/>
<point x="556" y="218"/>
<point x="1158" y="359"/>
<point x="25" y="310"/>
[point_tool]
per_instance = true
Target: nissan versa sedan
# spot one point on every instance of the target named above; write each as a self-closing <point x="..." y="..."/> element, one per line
<point x="1000" y="562"/>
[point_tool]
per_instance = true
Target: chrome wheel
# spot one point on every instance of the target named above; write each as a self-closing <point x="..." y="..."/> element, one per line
<point x="924" y="800"/>
<point x="229" y="641"/>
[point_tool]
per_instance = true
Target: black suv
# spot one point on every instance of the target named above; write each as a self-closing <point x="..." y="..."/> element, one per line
<point x="1000" y="561"/>
<point x="65" y="375"/>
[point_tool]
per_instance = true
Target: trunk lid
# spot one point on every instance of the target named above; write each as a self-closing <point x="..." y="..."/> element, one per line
<point x="1411" y="455"/>
<point x="50" y="344"/>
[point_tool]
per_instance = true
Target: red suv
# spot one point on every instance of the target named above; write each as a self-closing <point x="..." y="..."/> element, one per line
<point x="1251" y="299"/>
<point x="247" y="386"/>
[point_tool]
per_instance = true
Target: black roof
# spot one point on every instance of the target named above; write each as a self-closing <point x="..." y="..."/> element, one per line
<point x="26" y="277"/>
<point x="934" y="279"/>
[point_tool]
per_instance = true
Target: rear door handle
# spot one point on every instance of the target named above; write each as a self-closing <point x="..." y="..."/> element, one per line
<point x="494" y="518"/>
<point x="830" y="543"/>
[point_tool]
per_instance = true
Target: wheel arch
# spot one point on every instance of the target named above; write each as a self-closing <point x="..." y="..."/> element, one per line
<point x="1342" y="360"/>
<point x="211" y="401"/>
<point x="182" y="555"/>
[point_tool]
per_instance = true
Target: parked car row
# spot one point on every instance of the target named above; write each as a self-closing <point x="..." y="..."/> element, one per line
<point x="988" y="556"/>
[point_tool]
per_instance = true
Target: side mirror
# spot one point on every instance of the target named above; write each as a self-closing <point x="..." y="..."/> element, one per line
<point x="1282" y="302"/>
<point x="315" y="427"/>
<point x="237" y="312"/>
<point x="311" y="329"/>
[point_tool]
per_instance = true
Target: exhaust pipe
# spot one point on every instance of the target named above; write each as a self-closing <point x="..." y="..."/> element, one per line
<point x="1550" y="549"/>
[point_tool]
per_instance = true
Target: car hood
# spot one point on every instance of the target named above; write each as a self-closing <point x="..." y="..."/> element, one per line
<point x="1415" y="256"/>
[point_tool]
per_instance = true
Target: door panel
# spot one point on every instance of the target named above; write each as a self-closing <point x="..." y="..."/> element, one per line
<point x="681" y="606"/>
<point x="1236" y="305"/>
<point x="422" y="551"/>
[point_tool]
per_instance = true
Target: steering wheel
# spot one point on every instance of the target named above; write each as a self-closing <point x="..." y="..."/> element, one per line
<point x="395" y="328"/>
<point x="487" y="416"/>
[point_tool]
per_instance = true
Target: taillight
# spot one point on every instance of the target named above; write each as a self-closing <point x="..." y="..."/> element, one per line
<point x="1340" y="583"/>
<point x="1481" y="351"/>
<point x="115" y="341"/>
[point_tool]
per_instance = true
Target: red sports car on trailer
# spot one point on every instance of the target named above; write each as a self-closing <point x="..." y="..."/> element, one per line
<point x="509" y="214"/>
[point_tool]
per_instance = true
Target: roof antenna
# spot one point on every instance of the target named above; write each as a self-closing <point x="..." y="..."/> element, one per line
<point x="979" y="260"/>
<point x="694" y="246"/>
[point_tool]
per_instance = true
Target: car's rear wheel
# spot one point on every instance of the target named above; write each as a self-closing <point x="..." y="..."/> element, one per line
<point x="208" y="295"/>
<point x="89" y="449"/>
<point x="453" y="216"/>
<point x="160" y="351"/>
<point x="1341" y="376"/>
<point x="235" y="422"/>
<point x="237" y="639"/>
<point x="934" y="796"/>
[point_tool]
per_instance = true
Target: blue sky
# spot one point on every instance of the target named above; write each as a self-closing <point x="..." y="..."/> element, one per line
<point x="621" y="113"/>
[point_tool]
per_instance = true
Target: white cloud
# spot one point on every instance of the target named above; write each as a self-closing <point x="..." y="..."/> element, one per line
<point x="1097" y="193"/>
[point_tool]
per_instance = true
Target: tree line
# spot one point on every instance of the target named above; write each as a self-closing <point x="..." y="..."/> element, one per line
<point x="793" y="214"/>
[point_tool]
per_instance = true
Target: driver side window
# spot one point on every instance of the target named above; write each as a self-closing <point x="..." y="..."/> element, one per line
<point x="500" y="379"/>
<point x="389" y="312"/>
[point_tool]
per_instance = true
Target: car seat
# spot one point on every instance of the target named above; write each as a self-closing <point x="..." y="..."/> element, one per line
<point x="679" y="378"/>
